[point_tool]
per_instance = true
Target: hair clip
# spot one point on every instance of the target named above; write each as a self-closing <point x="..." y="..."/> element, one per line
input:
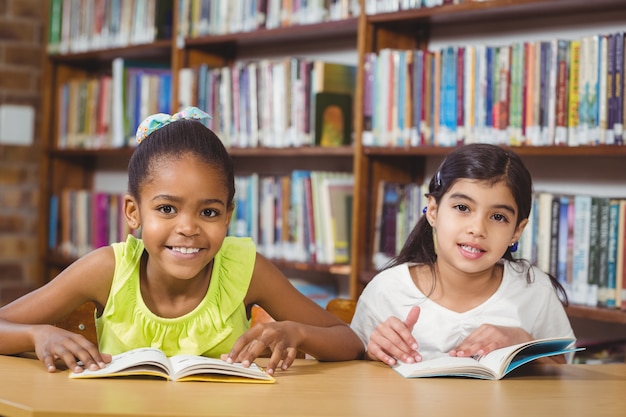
<point x="158" y="120"/>
<point x="438" y="178"/>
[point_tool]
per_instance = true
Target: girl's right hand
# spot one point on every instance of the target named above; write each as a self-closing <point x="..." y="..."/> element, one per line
<point x="392" y="340"/>
<point x="53" y="343"/>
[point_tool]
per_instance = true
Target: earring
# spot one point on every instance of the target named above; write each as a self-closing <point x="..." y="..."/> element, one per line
<point x="425" y="209"/>
<point x="514" y="247"/>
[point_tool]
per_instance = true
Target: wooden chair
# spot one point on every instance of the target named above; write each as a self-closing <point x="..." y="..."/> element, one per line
<point x="342" y="308"/>
<point x="81" y="321"/>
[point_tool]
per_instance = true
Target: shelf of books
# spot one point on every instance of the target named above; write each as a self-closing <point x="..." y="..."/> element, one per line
<point x="287" y="121"/>
<point x="543" y="77"/>
<point x="324" y="147"/>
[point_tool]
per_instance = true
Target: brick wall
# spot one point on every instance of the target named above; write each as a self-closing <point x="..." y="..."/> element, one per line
<point x="21" y="48"/>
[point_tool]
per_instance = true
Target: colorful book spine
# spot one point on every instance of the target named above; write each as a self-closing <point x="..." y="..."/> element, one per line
<point x="502" y="118"/>
<point x="469" y="95"/>
<point x="560" y="137"/>
<point x="610" y="90"/>
<point x="580" y="264"/>
<point x="369" y="66"/>
<point x="620" y="268"/>
<point x="592" y="91"/>
<point x="618" y="126"/>
<point x="489" y="89"/>
<point x="583" y="92"/>
<point x="555" y="226"/>
<point x="573" y="93"/>
<point x="460" y="94"/>
<point x="562" y="241"/>
<point x="552" y="78"/>
<point x="607" y="293"/>
<point x="418" y="97"/>
<point x="602" y="89"/>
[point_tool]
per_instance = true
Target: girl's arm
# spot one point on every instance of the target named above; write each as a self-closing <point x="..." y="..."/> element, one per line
<point x="26" y="324"/>
<point x="300" y="324"/>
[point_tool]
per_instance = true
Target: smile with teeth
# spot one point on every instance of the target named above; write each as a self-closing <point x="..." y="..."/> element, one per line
<point x="470" y="249"/>
<point x="185" y="250"/>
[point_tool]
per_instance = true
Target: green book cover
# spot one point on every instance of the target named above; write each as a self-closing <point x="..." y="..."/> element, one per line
<point x="333" y="119"/>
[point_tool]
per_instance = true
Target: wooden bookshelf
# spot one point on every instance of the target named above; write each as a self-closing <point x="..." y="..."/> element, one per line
<point x="413" y="29"/>
<point x="370" y="165"/>
<point x="78" y="167"/>
<point x="598" y="314"/>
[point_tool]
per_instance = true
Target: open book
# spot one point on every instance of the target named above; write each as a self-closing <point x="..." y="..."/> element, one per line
<point x="153" y="362"/>
<point x="494" y="365"/>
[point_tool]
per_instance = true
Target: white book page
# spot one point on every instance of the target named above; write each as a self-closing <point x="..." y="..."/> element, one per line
<point x="185" y="365"/>
<point x="148" y="359"/>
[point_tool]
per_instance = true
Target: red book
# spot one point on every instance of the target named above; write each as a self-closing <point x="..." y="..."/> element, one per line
<point x="460" y="94"/>
<point x="99" y="219"/>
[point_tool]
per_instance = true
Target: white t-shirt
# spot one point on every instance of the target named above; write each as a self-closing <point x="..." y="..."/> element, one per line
<point x="534" y="307"/>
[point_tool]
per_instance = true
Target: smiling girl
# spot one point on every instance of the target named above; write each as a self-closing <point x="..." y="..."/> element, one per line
<point x="184" y="287"/>
<point x="455" y="288"/>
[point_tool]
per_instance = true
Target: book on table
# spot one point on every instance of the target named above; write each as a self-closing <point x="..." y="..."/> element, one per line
<point x="152" y="362"/>
<point x="494" y="365"/>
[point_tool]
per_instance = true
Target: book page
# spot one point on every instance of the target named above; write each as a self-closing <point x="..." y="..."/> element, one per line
<point x="186" y="365"/>
<point x="141" y="361"/>
<point x="444" y="366"/>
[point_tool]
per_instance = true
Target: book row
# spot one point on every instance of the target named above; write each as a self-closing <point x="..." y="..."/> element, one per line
<point x="274" y="103"/>
<point x="85" y="25"/>
<point x="399" y="207"/>
<point x="104" y="111"/>
<point x="388" y="6"/>
<point x="553" y="92"/>
<point x="82" y="220"/>
<point x="270" y="103"/>
<point x="580" y="240"/>
<point x="301" y="217"/>
<point x="215" y="17"/>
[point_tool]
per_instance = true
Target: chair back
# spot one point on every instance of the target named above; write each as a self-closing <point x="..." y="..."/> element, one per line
<point x="342" y="308"/>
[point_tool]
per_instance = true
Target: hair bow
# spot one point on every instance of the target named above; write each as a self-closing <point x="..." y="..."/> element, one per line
<point x="158" y="120"/>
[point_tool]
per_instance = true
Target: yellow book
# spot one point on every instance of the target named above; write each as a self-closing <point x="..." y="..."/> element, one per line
<point x="572" y="113"/>
<point x="152" y="362"/>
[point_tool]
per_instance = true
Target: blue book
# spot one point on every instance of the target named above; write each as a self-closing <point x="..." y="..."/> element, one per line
<point x="563" y="237"/>
<point x="489" y="70"/>
<point x="418" y="69"/>
<point x="53" y="222"/>
<point x="401" y="139"/>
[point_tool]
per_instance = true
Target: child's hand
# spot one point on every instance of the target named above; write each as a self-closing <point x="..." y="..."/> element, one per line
<point x="279" y="337"/>
<point x="488" y="337"/>
<point x="393" y="339"/>
<point x="53" y="343"/>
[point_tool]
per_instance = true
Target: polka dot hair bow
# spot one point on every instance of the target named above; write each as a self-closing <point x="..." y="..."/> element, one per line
<point x="157" y="121"/>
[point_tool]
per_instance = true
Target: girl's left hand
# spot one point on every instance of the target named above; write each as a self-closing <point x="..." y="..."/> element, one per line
<point x="489" y="337"/>
<point x="278" y="337"/>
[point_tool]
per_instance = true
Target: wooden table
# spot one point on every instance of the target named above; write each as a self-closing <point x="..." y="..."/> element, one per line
<point x="310" y="388"/>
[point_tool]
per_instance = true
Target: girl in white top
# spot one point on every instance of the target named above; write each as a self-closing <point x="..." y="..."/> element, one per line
<point x="455" y="288"/>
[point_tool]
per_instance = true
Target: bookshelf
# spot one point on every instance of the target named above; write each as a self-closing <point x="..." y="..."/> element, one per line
<point x="471" y="23"/>
<point x="354" y="36"/>
<point x="103" y="169"/>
